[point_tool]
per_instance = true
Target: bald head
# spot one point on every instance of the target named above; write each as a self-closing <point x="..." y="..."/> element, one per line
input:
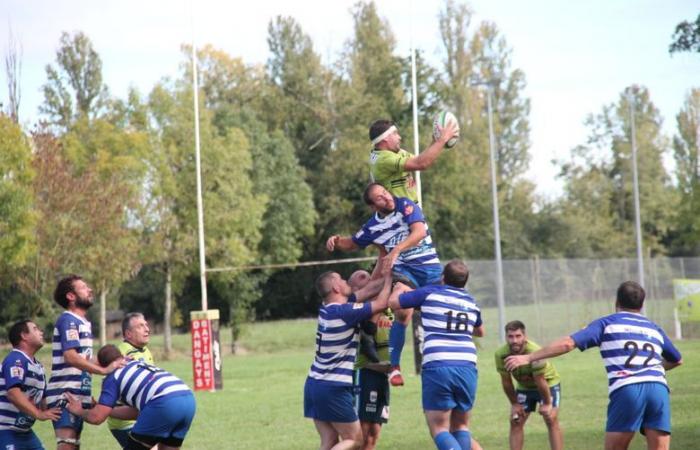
<point x="358" y="279"/>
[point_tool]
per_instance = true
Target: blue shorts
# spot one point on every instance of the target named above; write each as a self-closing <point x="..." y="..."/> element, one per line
<point x="19" y="440"/>
<point x="418" y="276"/>
<point x="329" y="402"/>
<point x="529" y="399"/>
<point x="68" y="420"/>
<point x="166" y="419"/>
<point x="638" y="406"/>
<point x="449" y="387"/>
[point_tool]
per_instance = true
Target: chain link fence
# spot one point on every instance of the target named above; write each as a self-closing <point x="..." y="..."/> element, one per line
<point x="555" y="297"/>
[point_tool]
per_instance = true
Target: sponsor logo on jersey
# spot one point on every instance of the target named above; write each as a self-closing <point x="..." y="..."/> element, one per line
<point x="358" y="305"/>
<point x="408" y="210"/>
<point x="72" y="335"/>
<point x="16" y="372"/>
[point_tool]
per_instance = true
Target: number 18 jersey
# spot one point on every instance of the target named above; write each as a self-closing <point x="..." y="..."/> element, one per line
<point x="449" y="316"/>
<point x="631" y="346"/>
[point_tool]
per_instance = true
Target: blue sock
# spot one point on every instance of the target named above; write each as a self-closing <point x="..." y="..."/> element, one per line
<point x="464" y="437"/>
<point x="445" y="441"/>
<point x="397" y="337"/>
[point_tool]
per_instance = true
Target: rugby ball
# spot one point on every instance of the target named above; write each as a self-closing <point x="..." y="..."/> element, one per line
<point x="441" y="119"/>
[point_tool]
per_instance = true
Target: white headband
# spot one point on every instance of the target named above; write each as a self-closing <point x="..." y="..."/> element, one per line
<point x="384" y="135"/>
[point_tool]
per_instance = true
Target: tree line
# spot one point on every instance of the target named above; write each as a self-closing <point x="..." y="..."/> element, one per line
<point x="105" y="186"/>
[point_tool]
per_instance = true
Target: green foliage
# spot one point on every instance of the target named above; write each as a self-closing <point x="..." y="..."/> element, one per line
<point x="74" y="88"/>
<point x="686" y="38"/>
<point x="17" y="216"/>
<point x="686" y="152"/>
<point x="599" y="179"/>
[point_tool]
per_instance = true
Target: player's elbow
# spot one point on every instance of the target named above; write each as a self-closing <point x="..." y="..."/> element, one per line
<point x="479" y="331"/>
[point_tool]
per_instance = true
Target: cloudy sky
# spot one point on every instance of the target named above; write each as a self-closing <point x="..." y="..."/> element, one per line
<point x="577" y="56"/>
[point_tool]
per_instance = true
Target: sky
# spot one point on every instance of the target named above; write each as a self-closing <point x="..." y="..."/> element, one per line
<point x="576" y="56"/>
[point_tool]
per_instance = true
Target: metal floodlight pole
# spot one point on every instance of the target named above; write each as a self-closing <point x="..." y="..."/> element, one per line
<point x="635" y="178"/>
<point x="496" y="223"/>
<point x="200" y="206"/>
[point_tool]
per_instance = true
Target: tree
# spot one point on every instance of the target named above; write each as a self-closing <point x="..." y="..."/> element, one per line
<point x="13" y="73"/>
<point x="232" y="210"/>
<point x="74" y="88"/>
<point x="686" y="38"/>
<point x="457" y="187"/>
<point x="599" y="188"/>
<point x="17" y="216"/>
<point x="686" y="152"/>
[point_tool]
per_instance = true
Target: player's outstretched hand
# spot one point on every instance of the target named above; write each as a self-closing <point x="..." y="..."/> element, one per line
<point x="49" y="414"/>
<point x="73" y="405"/>
<point x="388" y="263"/>
<point x="515" y="361"/>
<point x="330" y="243"/>
<point x="447" y="132"/>
<point x="114" y="365"/>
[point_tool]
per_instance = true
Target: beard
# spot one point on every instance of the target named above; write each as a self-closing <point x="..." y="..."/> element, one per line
<point x="84" y="303"/>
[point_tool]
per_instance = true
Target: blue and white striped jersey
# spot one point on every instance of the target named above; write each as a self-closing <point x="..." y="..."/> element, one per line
<point x="337" y="338"/>
<point x="449" y="316"/>
<point x="70" y="331"/>
<point x="393" y="229"/>
<point x="25" y="372"/>
<point x="631" y="347"/>
<point x="138" y="383"/>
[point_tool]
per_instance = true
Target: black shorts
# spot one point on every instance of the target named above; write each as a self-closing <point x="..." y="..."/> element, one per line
<point x="372" y="396"/>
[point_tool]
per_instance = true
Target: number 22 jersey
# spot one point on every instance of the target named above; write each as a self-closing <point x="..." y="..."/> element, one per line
<point x="632" y="348"/>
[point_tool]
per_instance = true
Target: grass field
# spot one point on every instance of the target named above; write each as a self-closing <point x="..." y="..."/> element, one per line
<point x="261" y="404"/>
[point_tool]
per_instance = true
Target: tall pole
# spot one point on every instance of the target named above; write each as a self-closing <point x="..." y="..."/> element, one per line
<point x="414" y="90"/>
<point x="496" y="224"/>
<point x="200" y="206"/>
<point x="635" y="178"/>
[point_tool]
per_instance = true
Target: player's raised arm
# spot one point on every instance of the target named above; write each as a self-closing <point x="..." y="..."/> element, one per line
<point x="426" y="158"/>
<point x="342" y="243"/>
<point x="556" y="348"/>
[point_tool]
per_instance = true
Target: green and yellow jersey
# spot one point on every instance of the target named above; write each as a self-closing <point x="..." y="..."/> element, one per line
<point x="524" y="375"/>
<point x="388" y="169"/>
<point x="139" y="354"/>
<point x="381" y="340"/>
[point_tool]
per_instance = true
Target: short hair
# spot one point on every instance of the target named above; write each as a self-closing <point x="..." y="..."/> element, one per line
<point x="126" y="321"/>
<point x="378" y="127"/>
<point x="16" y="330"/>
<point x="456" y="273"/>
<point x="515" y="325"/>
<point x="368" y="189"/>
<point x="323" y="284"/>
<point x="108" y="354"/>
<point x="630" y="295"/>
<point x="60" y="295"/>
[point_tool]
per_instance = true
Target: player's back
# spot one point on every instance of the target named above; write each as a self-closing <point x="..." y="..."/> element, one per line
<point x="449" y="316"/>
<point x="336" y="344"/>
<point x="632" y="348"/>
<point x="138" y="382"/>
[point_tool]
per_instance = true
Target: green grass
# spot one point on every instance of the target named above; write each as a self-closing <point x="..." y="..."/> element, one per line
<point x="260" y="406"/>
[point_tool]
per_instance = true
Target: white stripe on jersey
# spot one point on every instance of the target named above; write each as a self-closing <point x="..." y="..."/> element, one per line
<point x="619" y="328"/>
<point x="449" y="356"/>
